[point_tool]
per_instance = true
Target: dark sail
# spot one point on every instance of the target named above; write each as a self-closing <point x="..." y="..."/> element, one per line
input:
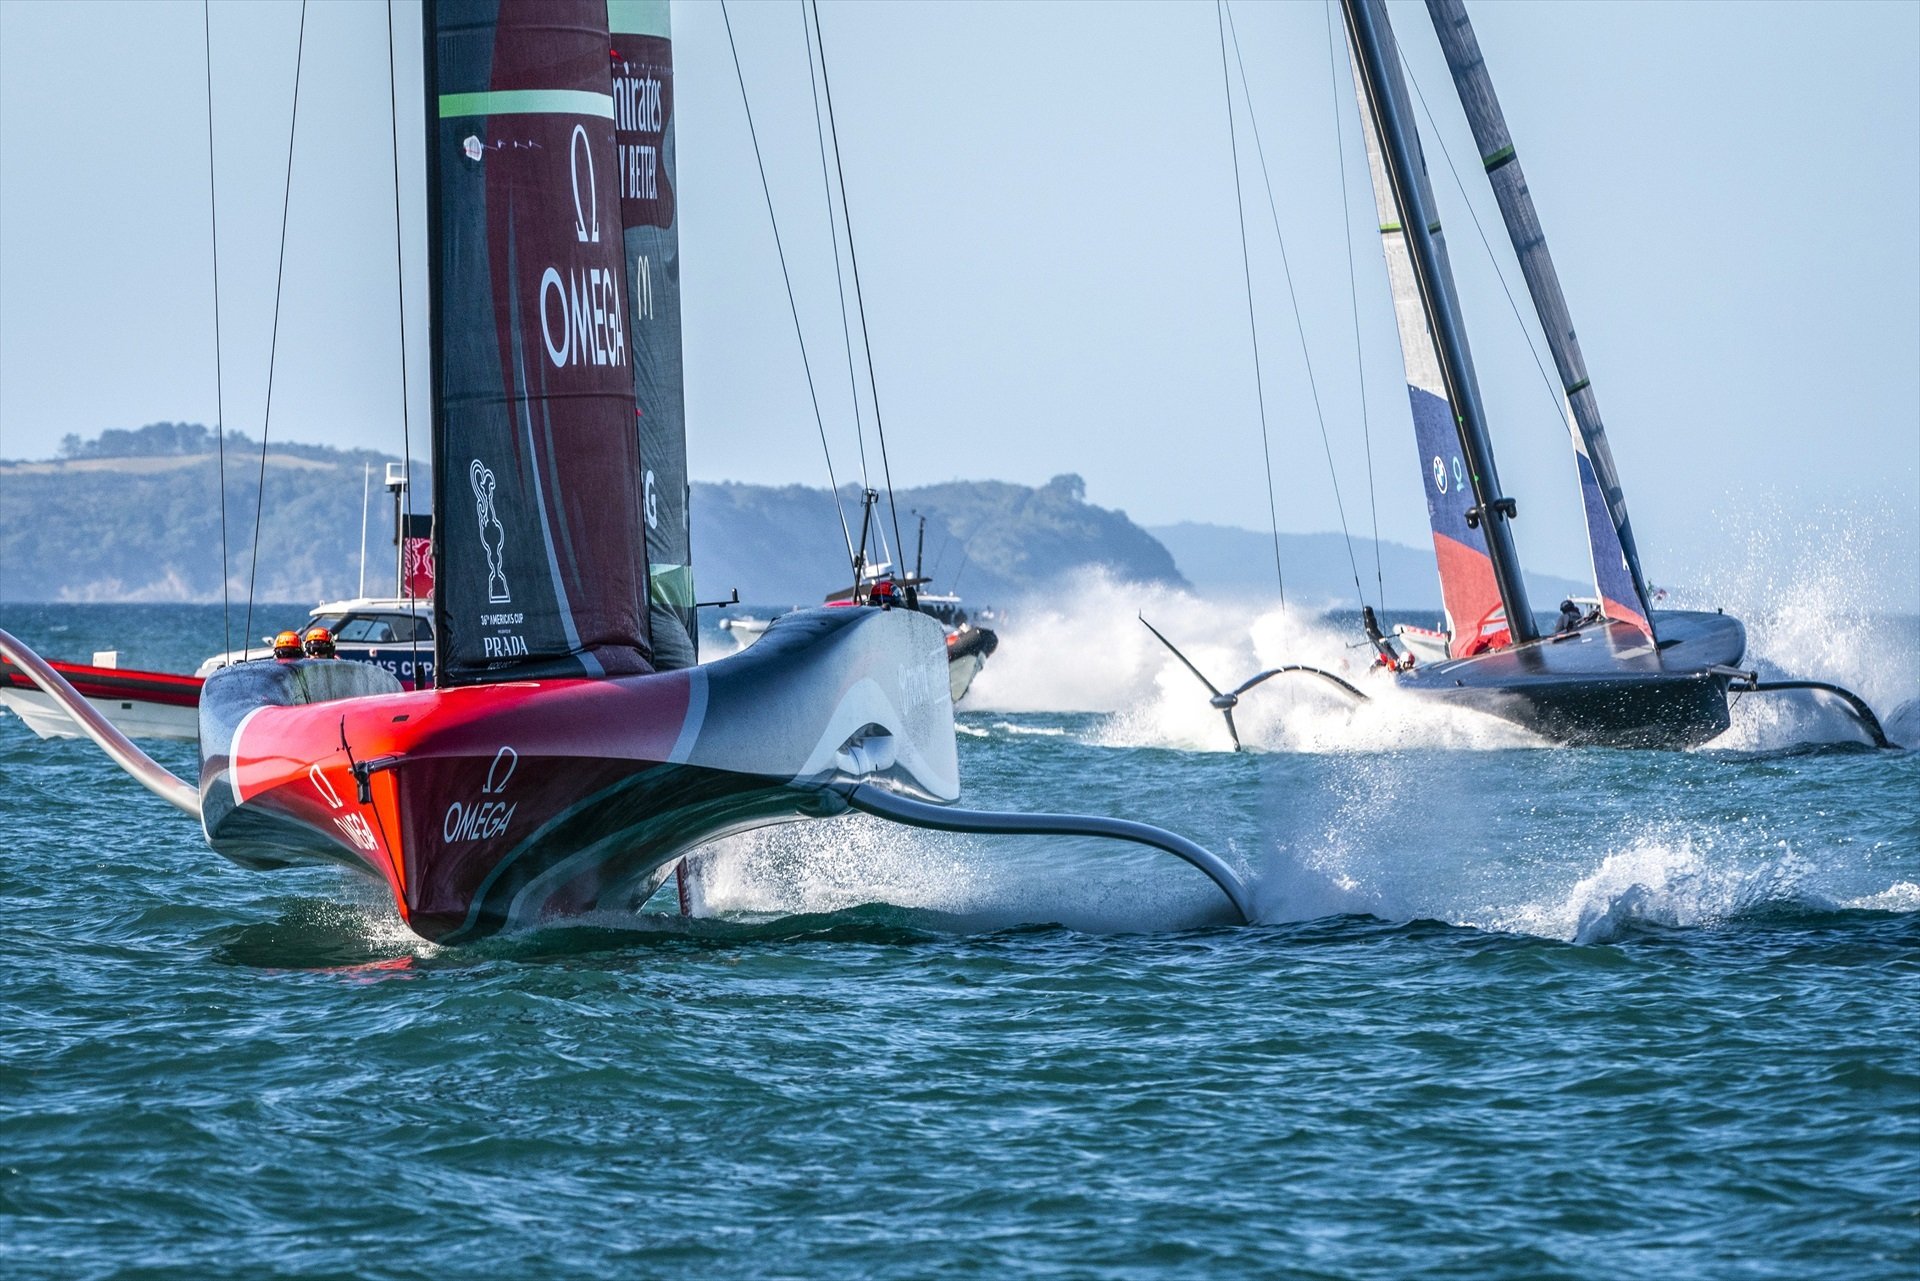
<point x="1616" y="562"/>
<point x="643" y="132"/>
<point x="537" y="485"/>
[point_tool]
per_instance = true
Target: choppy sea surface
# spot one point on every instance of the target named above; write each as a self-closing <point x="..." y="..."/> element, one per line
<point x="1509" y="1012"/>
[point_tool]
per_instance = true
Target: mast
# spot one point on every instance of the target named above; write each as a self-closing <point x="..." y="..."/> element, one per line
<point x="1616" y="561"/>
<point x="437" y="492"/>
<point x="1385" y="97"/>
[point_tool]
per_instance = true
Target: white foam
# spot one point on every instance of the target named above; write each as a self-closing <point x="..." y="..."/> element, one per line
<point x="1901" y="896"/>
<point x="826" y="866"/>
<point x="368" y="913"/>
<point x="1810" y="587"/>
<point x="1349" y="850"/>
<point x="1090" y="653"/>
<point x="1085" y="652"/>
<point x="1348" y="838"/>
<point x="1652" y="882"/>
<point x="848" y="862"/>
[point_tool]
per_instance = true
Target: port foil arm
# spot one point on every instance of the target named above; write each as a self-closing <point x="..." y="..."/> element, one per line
<point x="943" y="818"/>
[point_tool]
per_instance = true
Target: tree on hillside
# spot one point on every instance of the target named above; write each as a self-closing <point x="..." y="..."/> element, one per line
<point x="155" y="439"/>
<point x="172" y="439"/>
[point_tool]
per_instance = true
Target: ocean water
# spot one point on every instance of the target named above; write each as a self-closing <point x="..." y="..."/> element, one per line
<point x="1508" y="1012"/>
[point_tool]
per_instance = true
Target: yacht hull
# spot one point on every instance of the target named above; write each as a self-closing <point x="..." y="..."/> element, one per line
<point x="1604" y="685"/>
<point x="139" y="704"/>
<point x="513" y="805"/>
<point x="967" y="651"/>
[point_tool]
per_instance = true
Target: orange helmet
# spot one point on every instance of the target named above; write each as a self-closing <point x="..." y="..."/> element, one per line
<point x="287" y="645"/>
<point x="319" y="643"/>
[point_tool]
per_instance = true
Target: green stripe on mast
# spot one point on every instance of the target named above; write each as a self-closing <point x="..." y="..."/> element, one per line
<point x="527" y="102"/>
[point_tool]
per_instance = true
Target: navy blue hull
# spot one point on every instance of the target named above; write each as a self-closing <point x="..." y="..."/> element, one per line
<point x="1604" y="685"/>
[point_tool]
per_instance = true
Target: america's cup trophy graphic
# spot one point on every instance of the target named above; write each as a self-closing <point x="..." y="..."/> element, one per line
<point x="492" y="536"/>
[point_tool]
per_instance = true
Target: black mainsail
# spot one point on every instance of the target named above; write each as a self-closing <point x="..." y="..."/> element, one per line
<point x="542" y="568"/>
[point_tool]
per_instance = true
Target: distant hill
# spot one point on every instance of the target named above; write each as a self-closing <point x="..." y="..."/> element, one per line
<point x="990" y="540"/>
<point x="1221" y="559"/>
<point x="135" y="515"/>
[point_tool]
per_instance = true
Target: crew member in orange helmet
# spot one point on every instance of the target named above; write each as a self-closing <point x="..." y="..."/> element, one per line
<point x="286" y="646"/>
<point x="319" y="643"/>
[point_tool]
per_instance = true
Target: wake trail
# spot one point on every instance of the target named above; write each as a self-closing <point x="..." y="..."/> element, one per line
<point x="1089" y="653"/>
<point x="1810" y="589"/>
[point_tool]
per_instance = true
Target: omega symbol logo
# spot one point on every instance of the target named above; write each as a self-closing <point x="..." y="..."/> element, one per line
<point x="504" y="762"/>
<point x="324" y="787"/>
<point x="1459" y="473"/>
<point x="586" y="217"/>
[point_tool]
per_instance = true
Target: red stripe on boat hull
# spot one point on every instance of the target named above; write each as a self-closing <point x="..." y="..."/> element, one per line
<point x="165" y="688"/>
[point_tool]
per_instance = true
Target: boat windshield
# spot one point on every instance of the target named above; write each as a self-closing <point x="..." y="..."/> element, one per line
<point x="382" y="629"/>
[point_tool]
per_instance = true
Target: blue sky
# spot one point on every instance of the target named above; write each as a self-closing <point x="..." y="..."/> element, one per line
<point x="1043" y="206"/>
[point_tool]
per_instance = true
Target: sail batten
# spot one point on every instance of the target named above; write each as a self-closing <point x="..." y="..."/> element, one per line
<point x="541" y="556"/>
<point x="1616" y="561"/>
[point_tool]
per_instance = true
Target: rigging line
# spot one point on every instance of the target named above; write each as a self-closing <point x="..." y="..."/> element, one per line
<point x="966" y="559"/>
<point x="273" y="344"/>
<point x="1253" y="330"/>
<point x="219" y="374"/>
<point x="1561" y="409"/>
<point x="792" y="305"/>
<point x="1299" y="326"/>
<point x="1353" y="300"/>
<point x="859" y="298"/>
<point x="405" y="586"/>
<point x="833" y="230"/>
